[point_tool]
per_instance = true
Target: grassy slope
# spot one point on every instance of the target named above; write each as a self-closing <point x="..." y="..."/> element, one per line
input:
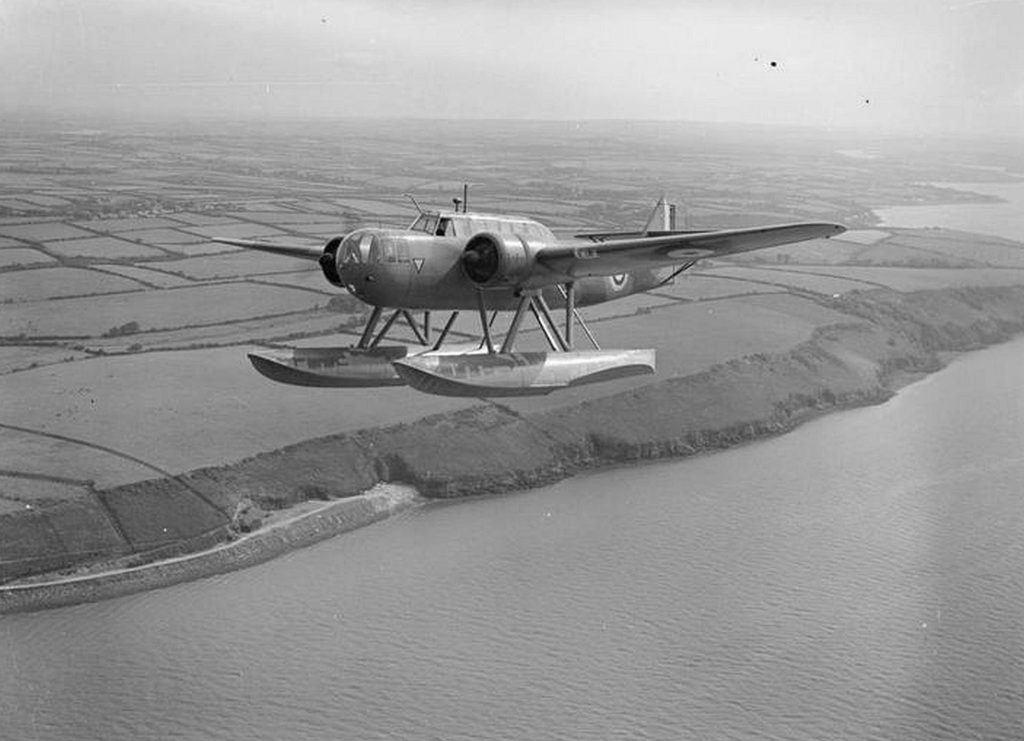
<point x="491" y="447"/>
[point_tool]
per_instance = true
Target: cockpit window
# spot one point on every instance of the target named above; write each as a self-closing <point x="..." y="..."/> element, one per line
<point x="375" y="250"/>
<point x="350" y="249"/>
<point x="365" y="242"/>
<point x="446" y="228"/>
<point x="426" y="223"/>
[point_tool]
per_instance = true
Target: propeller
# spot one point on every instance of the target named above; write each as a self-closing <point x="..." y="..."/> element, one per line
<point x="481" y="259"/>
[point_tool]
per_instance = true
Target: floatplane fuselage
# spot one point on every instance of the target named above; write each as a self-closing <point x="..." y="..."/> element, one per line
<point x="458" y="261"/>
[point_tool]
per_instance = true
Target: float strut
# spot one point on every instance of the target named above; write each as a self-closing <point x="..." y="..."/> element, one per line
<point x="483" y="321"/>
<point x="444" y="332"/>
<point x="570" y="307"/>
<point x="371" y="324"/>
<point x="579" y="318"/>
<point x="386" y="328"/>
<point x="543" y="326"/>
<point x="415" y="329"/>
<point x="551" y="322"/>
<point x="513" y="329"/>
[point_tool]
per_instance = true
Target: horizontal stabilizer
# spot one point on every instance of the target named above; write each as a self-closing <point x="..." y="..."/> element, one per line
<point x="339" y="367"/>
<point x="519" y="373"/>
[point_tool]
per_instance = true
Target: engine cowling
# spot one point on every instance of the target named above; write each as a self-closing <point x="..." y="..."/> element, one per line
<point x="329" y="262"/>
<point x="491" y="260"/>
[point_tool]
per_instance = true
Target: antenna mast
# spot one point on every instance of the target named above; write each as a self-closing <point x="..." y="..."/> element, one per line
<point x="414" y="203"/>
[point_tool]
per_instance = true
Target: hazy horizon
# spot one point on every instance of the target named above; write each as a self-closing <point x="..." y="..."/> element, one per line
<point x="878" y="67"/>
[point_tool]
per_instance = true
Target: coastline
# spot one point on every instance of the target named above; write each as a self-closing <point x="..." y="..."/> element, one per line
<point x="891" y="339"/>
<point x="303" y="529"/>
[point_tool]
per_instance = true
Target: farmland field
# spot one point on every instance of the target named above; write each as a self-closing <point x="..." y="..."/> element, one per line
<point x="236" y="231"/>
<point x="923" y="279"/>
<point x="41" y="455"/>
<point x="160" y="373"/>
<point x="180" y="410"/>
<point x="124" y="225"/>
<point x="18" y="491"/>
<point x="46" y="283"/>
<point x="89" y="317"/>
<point x="164" y="237"/>
<point x="824" y="280"/>
<point x="21" y="357"/>
<point x="44" y="231"/>
<point x="24" y="257"/>
<point x="151" y="277"/>
<point x="102" y="248"/>
<point x="237" y="263"/>
<point x="708" y="284"/>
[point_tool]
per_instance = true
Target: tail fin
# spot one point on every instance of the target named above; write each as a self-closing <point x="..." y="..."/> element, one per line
<point x="662" y="218"/>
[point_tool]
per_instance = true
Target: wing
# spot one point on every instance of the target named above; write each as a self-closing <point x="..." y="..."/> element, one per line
<point x="623" y="255"/>
<point x="305" y="252"/>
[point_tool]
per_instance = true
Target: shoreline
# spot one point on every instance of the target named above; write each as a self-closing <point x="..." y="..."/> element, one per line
<point x="282" y="536"/>
<point x="306" y="528"/>
<point x="891" y="340"/>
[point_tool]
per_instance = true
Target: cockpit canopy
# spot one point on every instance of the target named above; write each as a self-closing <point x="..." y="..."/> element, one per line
<point x="374" y="246"/>
<point x="367" y="246"/>
<point x="434" y="224"/>
<point x="466" y="225"/>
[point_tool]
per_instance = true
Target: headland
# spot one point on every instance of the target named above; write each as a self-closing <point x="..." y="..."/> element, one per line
<point x="140" y="449"/>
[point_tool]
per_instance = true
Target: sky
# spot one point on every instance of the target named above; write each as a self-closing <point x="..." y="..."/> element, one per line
<point x="936" y="66"/>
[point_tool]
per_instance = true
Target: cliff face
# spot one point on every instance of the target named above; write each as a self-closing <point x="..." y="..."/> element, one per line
<point x="490" y="447"/>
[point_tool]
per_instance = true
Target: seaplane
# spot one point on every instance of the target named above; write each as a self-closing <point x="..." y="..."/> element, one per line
<point x="456" y="260"/>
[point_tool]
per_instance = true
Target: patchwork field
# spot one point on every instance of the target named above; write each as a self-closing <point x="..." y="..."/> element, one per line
<point x="124" y="329"/>
<point x="149" y="277"/>
<point x="924" y="279"/>
<point x="43" y="231"/>
<point x="47" y="283"/>
<point x="238" y="263"/>
<point x="824" y="280"/>
<point x="23" y="257"/>
<point x="149" y="310"/>
<point x="22" y="357"/>
<point x="181" y="410"/>
<point x="102" y="248"/>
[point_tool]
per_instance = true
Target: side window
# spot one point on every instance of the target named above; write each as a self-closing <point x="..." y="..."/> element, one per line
<point x="388" y="248"/>
<point x="430" y="225"/>
<point x="445" y="228"/>
<point x="375" y="251"/>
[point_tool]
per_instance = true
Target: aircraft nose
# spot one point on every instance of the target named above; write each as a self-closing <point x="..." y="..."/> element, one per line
<point x="350" y="277"/>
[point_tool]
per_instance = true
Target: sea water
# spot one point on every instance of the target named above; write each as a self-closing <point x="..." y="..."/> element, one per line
<point x="1003" y="219"/>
